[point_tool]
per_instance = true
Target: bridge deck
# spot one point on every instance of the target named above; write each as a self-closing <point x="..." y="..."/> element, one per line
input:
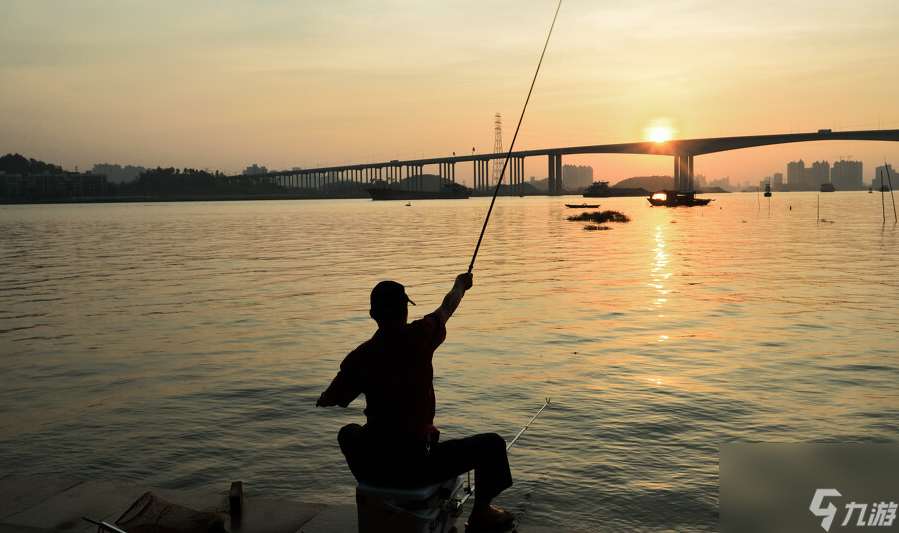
<point x="687" y="147"/>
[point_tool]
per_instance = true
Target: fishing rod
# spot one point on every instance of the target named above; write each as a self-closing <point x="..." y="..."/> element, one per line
<point x="883" y="209"/>
<point x="514" y="137"/>
<point x="103" y="526"/>
<point x="526" y="426"/>
<point x="469" y="492"/>
<point x="502" y="174"/>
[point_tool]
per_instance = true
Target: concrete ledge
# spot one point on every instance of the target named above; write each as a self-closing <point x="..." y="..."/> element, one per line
<point x="333" y="519"/>
<point x="57" y="505"/>
<point x="47" y="505"/>
<point x="19" y="494"/>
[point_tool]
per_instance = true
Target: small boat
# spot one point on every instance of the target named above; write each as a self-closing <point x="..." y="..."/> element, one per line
<point x="408" y="204"/>
<point x="827" y="187"/>
<point x="767" y="190"/>
<point x="582" y="206"/>
<point x="676" y="199"/>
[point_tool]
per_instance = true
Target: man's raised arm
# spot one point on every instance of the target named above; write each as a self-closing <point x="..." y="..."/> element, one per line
<point x="453" y="297"/>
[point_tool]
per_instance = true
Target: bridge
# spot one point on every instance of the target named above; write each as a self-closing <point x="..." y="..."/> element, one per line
<point x="683" y="151"/>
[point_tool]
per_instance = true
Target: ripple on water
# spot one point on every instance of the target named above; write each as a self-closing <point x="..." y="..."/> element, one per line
<point x="185" y="344"/>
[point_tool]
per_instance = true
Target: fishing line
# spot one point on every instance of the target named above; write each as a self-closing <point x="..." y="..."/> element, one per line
<point x="514" y="137"/>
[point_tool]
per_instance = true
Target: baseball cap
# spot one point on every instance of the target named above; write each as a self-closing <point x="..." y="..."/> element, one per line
<point x="388" y="296"/>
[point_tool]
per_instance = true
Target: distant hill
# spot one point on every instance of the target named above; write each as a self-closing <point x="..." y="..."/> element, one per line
<point x="19" y="164"/>
<point x="650" y="183"/>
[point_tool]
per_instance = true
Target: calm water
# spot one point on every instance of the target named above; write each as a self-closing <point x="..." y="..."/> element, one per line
<point x="184" y="344"/>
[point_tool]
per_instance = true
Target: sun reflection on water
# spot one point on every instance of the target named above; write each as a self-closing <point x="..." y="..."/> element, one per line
<point x="660" y="272"/>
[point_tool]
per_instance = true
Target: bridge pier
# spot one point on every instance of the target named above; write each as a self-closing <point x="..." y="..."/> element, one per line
<point x="560" y="183"/>
<point x="520" y="189"/>
<point x="550" y="174"/>
<point x="554" y="181"/>
<point x="482" y="174"/>
<point x="683" y="173"/>
<point x="412" y="179"/>
<point x="447" y="171"/>
<point x="477" y="167"/>
<point x="476" y="180"/>
<point x="516" y="174"/>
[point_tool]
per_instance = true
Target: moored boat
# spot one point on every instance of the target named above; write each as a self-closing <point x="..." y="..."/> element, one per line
<point x="450" y="191"/>
<point x="582" y="206"/>
<point x="676" y="199"/>
<point x="601" y="189"/>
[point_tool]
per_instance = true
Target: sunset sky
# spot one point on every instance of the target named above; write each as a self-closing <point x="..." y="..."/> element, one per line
<point x="223" y="84"/>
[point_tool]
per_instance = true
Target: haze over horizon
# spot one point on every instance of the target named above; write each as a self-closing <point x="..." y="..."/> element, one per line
<point x="226" y="84"/>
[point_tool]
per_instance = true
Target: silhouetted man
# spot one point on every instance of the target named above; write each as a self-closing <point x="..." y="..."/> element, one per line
<point x="399" y="445"/>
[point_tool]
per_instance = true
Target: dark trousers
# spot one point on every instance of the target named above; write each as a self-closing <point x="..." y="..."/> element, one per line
<point x="380" y="460"/>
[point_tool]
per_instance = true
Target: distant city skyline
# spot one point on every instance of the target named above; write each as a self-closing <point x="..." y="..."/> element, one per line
<point x="844" y="174"/>
<point x="225" y="85"/>
<point x="853" y="175"/>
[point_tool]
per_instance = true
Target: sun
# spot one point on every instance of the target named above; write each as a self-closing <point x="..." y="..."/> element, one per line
<point x="659" y="134"/>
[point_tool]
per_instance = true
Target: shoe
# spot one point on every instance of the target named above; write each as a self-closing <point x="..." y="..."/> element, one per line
<point x="493" y="519"/>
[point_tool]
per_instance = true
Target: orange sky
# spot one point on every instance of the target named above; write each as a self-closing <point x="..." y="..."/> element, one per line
<point x="222" y="84"/>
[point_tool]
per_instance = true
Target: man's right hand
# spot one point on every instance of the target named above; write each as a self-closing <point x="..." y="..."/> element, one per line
<point x="465" y="280"/>
<point x="326" y="399"/>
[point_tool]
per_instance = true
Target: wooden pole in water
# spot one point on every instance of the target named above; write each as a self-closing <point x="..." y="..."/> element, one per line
<point x="514" y="137"/>
<point x="818" y="219"/>
<point x="890" y="181"/>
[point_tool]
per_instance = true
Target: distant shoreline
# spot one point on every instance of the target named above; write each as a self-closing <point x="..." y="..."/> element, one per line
<point x="249" y="198"/>
<point x="179" y="198"/>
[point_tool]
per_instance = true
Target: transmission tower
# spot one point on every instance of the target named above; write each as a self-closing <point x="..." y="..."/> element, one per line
<point x="497" y="146"/>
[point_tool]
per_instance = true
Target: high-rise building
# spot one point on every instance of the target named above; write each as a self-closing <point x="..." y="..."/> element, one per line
<point x="846" y="175"/>
<point x="802" y="178"/>
<point x="577" y="176"/>
<point x="777" y="181"/>
<point x="880" y="175"/>
<point x="816" y="175"/>
<point x="796" y="175"/>
<point x="724" y="183"/>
